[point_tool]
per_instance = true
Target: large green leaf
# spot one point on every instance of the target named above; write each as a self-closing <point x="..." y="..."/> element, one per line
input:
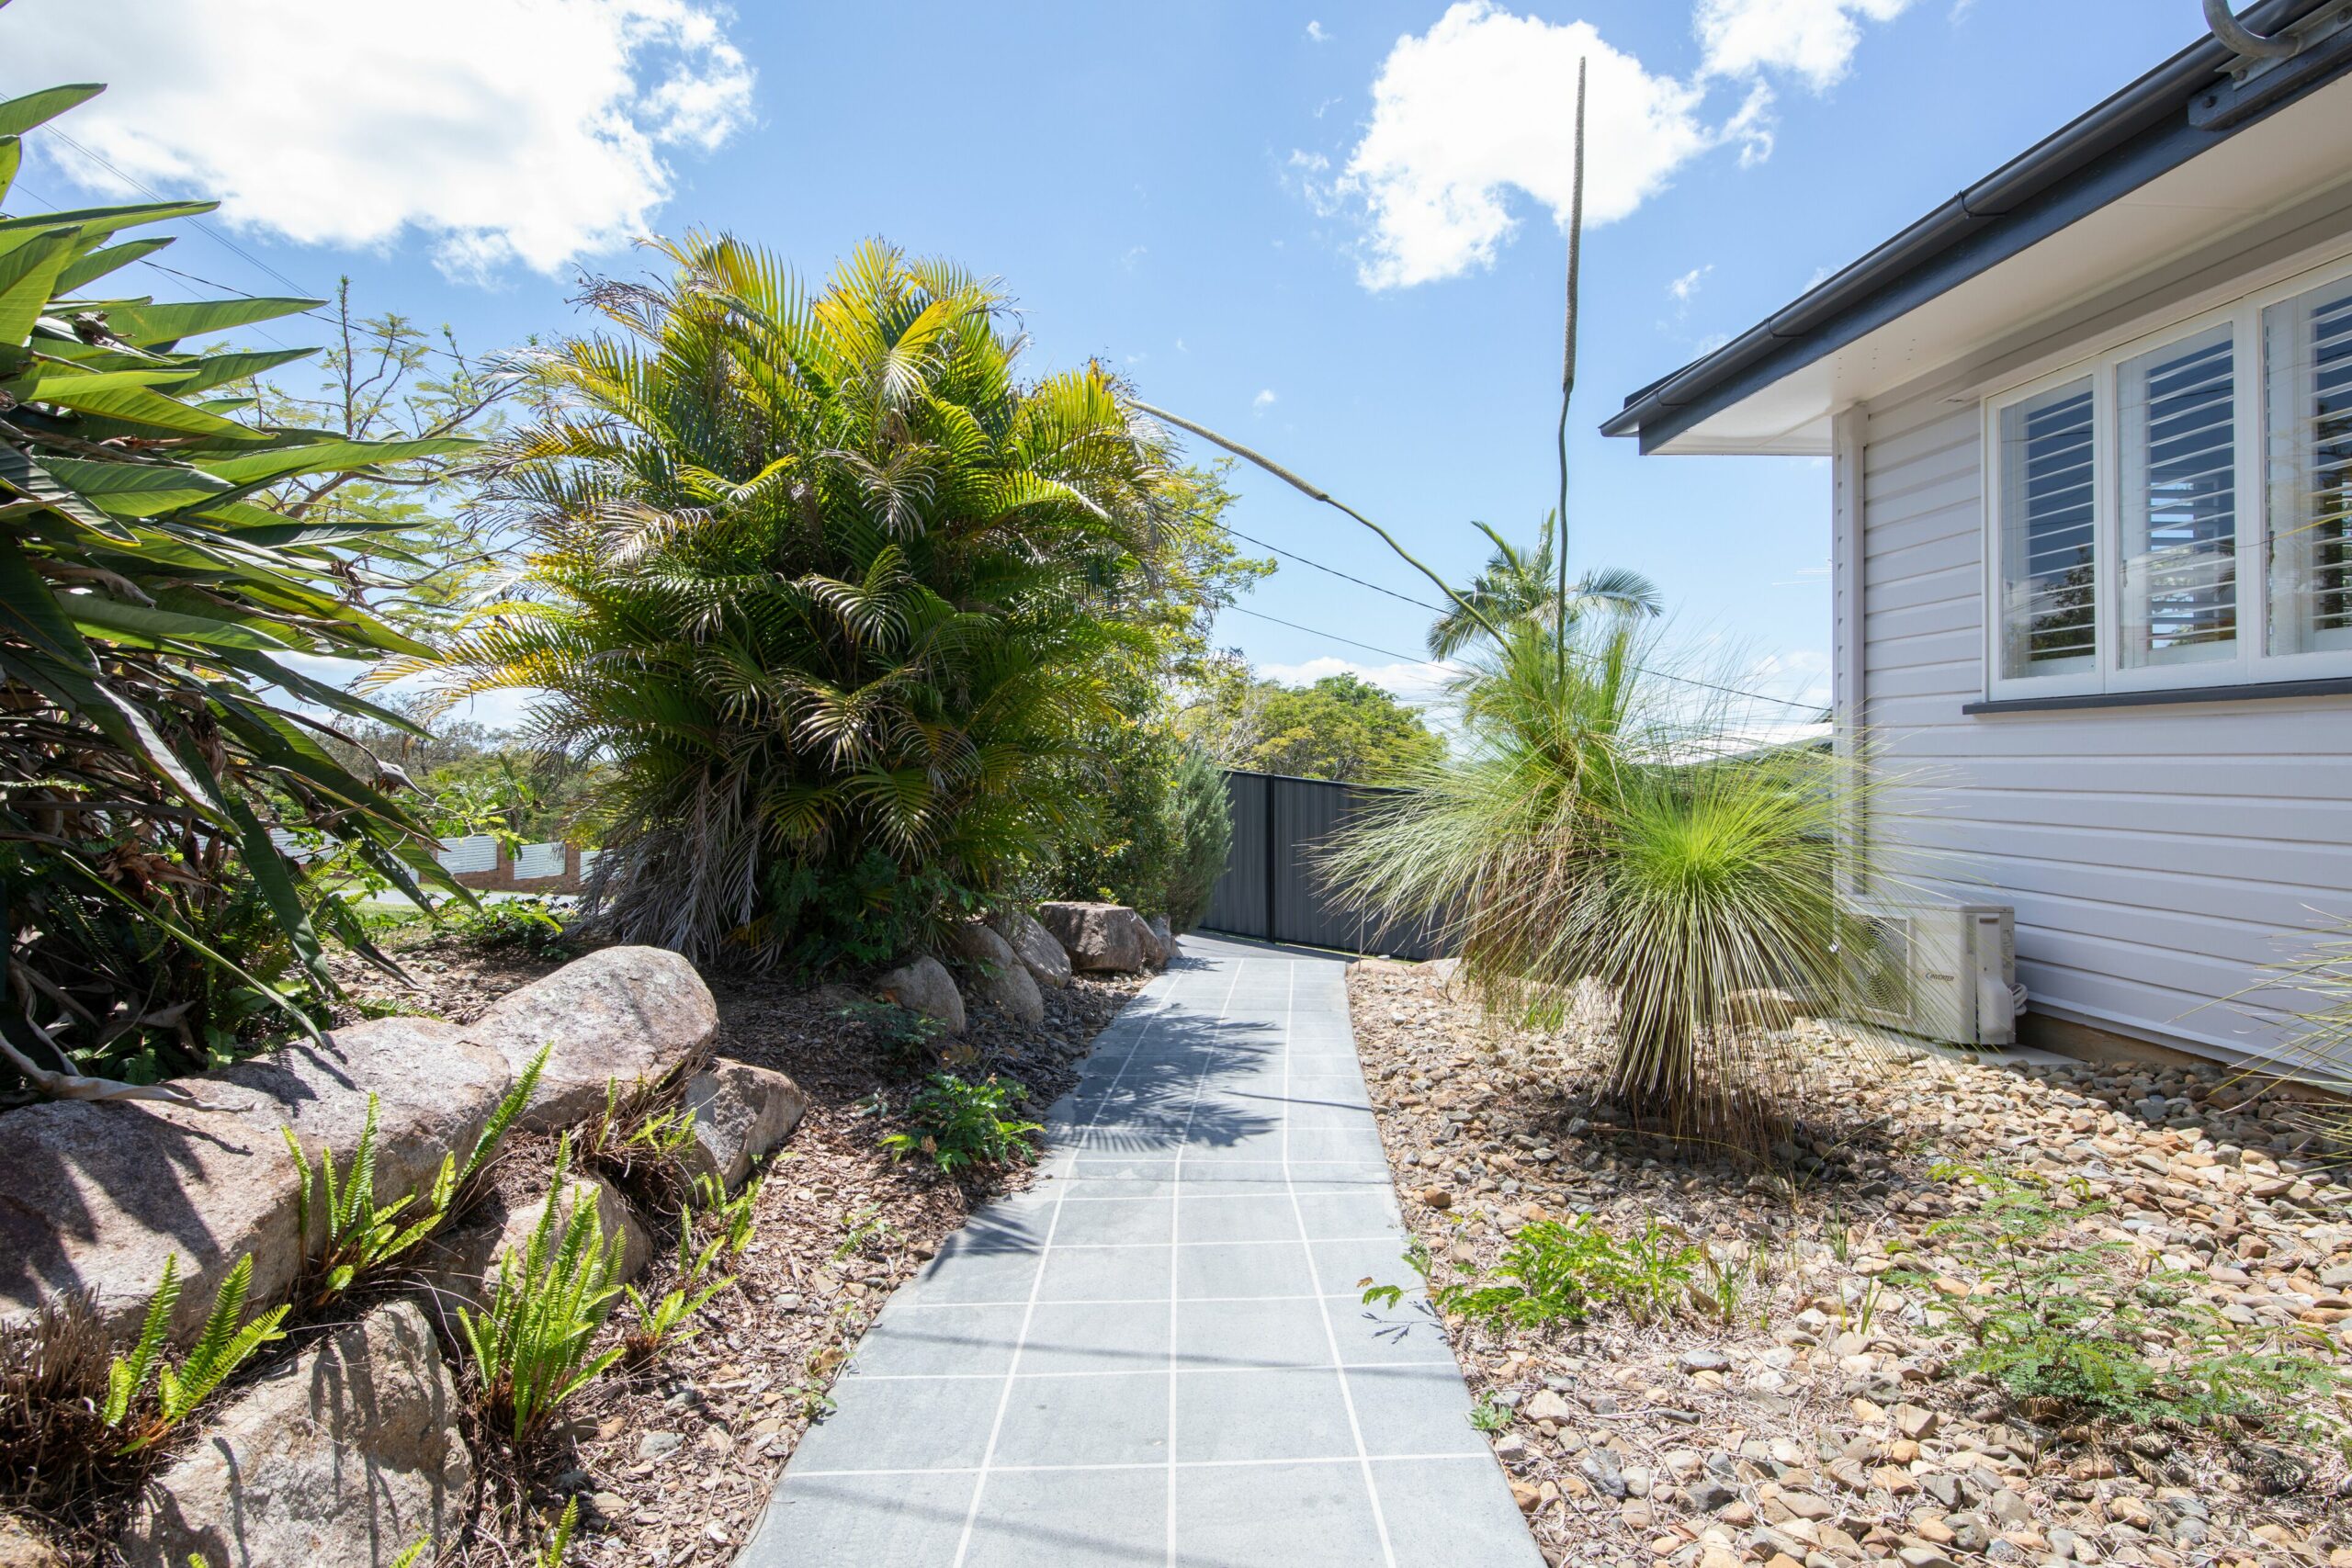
<point x="12" y="153"/>
<point x="49" y="382"/>
<point x="97" y="223"/>
<point x="20" y="115"/>
<point x="155" y="326"/>
<point x="219" y="369"/>
<point x="268" y="868"/>
<point x="27" y="478"/>
<point x="329" y="457"/>
<point x="134" y="490"/>
<point x="28" y="274"/>
<point x="88" y="269"/>
<point x="137" y="405"/>
<point x="96" y="614"/>
<point x="61" y="665"/>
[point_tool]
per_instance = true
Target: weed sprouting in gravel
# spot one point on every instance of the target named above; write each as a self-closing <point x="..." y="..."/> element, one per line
<point x="2064" y="1327"/>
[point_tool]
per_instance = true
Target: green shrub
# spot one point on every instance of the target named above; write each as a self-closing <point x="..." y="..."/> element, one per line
<point x="147" y="1396"/>
<point x="1559" y="1272"/>
<point x="2064" y="1328"/>
<point x="534" y="1346"/>
<point x="910" y="1040"/>
<point x="826" y="579"/>
<point x="526" y="924"/>
<point x="856" y="914"/>
<point x="1201" y="831"/>
<point x="638" y="1141"/>
<point x="954" y="1124"/>
<point x="163" y="581"/>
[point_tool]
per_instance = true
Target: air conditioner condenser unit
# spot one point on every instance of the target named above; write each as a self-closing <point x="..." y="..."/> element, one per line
<point x="1944" y="971"/>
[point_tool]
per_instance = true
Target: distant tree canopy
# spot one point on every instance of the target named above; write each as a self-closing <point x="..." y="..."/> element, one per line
<point x="1340" y="728"/>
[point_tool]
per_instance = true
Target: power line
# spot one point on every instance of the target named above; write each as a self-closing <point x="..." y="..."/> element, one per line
<point x="210" y="232"/>
<point x="1334" y="636"/>
<point x="1335" y="571"/>
<point x="197" y="223"/>
<point x="1442" y="664"/>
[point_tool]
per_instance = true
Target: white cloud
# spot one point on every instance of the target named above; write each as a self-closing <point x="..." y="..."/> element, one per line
<point x="1315" y="32"/>
<point x="503" y="131"/>
<point x="1416" y="683"/>
<point x="1478" y="107"/>
<point x="1263" y="400"/>
<point x="1813" y="38"/>
<point x="1683" y="287"/>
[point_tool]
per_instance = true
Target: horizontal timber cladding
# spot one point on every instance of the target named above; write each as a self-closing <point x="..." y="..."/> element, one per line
<point x="2163" y="860"/>
<point x="1269" y="889"/>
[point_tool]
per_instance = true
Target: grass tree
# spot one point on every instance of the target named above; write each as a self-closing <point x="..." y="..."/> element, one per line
<point x="823" y="575"/>
<point x="1594" y="822"/>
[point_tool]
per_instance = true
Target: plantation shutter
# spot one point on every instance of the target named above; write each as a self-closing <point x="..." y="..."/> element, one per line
<point x="2308" y="341"/>
<point x="2177" y="432"/>
<point x="2049" y="611"/>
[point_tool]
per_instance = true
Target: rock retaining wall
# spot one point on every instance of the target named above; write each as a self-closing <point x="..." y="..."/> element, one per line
<point x="348" y="1451"/>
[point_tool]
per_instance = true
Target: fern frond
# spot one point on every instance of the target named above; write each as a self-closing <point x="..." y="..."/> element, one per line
<point x="127" y="1376"/>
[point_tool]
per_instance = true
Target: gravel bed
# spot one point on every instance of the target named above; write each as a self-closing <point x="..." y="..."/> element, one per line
<point x="1794" y="1435"/>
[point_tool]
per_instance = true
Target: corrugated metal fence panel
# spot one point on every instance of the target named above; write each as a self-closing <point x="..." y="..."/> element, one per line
<point x="1304" y="813"/>
<point x="1269" y="889"/>
<point x="1238" y="903"/>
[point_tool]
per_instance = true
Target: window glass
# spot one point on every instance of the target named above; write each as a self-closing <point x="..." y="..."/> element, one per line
<point x="2308" y="343"/>
<point x="2177" y="435"/>
<point x="2048" y="581"/>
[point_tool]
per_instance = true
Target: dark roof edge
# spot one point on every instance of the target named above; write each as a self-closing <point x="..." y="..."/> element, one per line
<point x="2137" y="108"/>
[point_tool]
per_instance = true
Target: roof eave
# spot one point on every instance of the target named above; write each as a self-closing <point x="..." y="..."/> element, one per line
<point x="2132" y="137"/>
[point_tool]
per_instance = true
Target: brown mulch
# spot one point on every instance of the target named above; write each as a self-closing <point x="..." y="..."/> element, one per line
<point x="673" y="1466"/>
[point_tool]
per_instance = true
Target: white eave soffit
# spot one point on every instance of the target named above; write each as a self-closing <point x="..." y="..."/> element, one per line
<point x="2269" y="169"/>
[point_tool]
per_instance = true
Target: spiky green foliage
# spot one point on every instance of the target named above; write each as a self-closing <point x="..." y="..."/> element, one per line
<point x="532" y="1346"/>
<point x="1522" y="584"/>
<point x="712" y="1228"/>
<point x="559" y="1542"/>
<point x="826" y="578"/>
<point x="1591" y="823"/>
<point x="359" y="1236"/>
<point x="146" y="1415"/>
<point x="157" y="602"/>
<point x="639" y="1142"/>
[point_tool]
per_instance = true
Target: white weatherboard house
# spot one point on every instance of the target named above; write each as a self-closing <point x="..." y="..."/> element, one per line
<point x="2091" y="432"/>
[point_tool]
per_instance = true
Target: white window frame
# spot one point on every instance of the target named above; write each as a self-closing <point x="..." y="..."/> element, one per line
<point x="2254" y="665"/>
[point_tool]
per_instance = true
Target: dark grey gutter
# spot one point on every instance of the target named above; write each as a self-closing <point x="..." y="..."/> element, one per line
<point x="2148" y="129"/>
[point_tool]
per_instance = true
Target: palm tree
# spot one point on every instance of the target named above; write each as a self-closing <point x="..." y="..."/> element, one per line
<point x="826" y="580"/>
<point x="1521" y="584"/>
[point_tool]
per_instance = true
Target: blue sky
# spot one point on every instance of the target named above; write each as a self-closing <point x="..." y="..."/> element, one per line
<point x="1328" y="231"/>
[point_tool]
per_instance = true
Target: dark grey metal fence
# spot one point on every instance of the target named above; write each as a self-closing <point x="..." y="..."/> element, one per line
<point x="1269" y="889"/>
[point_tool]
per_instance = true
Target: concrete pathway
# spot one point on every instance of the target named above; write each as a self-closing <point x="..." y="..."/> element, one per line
<point x="1160" y="1354"/>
